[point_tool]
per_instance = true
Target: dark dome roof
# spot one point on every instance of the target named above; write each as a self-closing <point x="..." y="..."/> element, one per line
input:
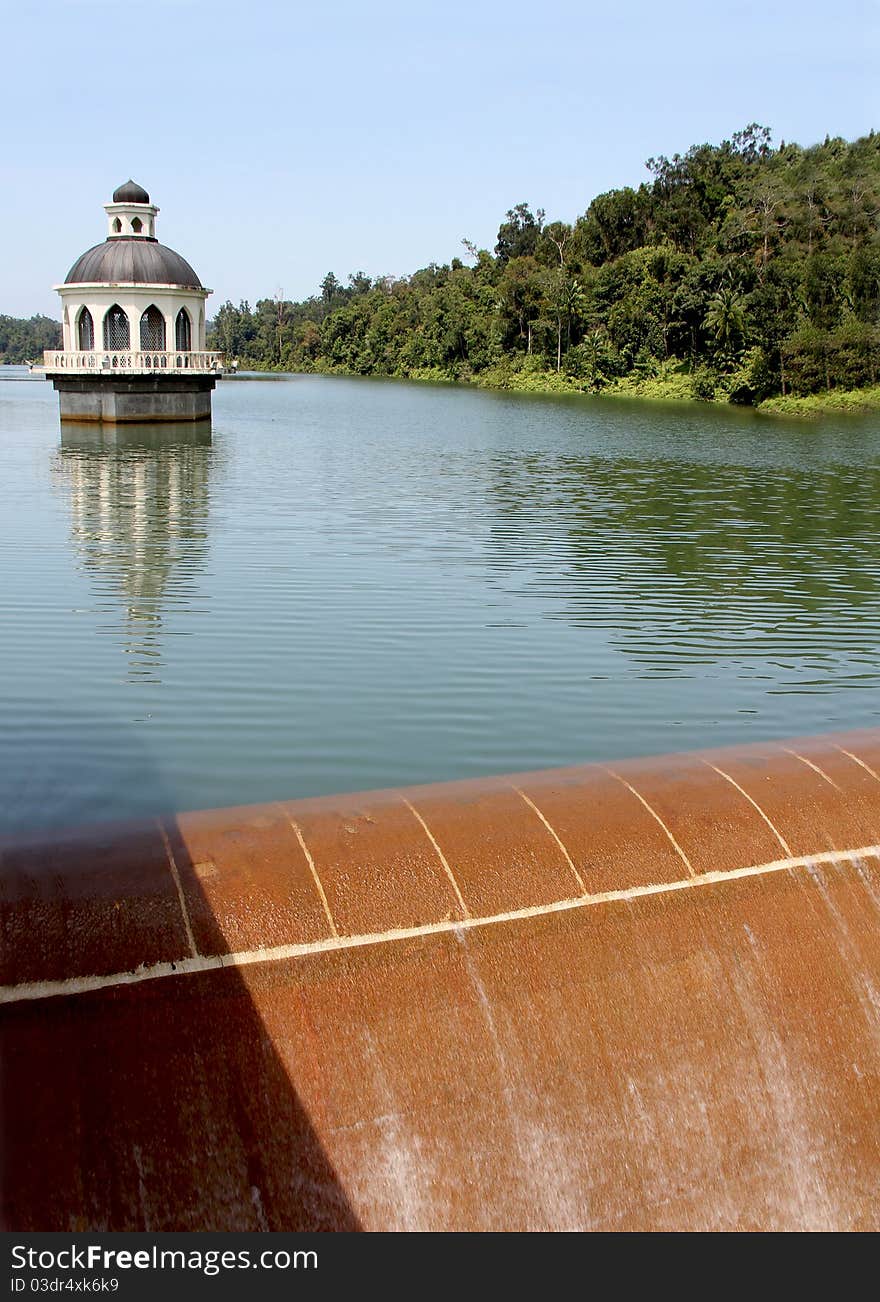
<point x="137" y="260"/>
<point x="131" y="192"/>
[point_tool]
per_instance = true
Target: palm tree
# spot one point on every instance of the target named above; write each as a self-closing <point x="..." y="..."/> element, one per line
<point x="726" y="318"/>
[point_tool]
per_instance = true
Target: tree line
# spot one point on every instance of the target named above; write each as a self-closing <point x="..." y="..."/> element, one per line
<point x="751" y="268"/>
<point x="24" y="340"/>
<point x="744" y="270"/>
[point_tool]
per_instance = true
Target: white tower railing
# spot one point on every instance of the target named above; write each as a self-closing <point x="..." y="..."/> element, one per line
<point x="104" y="362"/>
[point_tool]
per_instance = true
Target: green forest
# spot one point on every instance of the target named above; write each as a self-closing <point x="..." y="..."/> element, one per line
<point x="737" y="271"/>
<point x="24" y="340"/>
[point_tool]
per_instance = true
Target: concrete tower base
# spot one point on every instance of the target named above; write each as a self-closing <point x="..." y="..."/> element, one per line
<point x="138" y="398"/>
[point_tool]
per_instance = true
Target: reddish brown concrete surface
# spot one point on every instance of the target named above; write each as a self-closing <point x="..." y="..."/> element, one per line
<point x="641" y="996"/>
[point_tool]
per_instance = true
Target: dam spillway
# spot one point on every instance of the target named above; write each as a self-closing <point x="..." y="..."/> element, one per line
<point x="640" y="996"/>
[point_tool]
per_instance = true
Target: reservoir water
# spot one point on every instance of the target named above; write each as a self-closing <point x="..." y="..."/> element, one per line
<point x="351" y="584"/>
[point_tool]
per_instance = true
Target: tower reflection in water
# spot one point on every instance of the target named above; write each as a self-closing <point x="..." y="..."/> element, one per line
<point x="139" y="521"/>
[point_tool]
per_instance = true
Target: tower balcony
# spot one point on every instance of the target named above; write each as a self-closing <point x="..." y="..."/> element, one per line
<point x="105" y="363"/>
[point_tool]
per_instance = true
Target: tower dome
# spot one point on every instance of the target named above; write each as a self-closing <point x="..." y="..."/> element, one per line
<point x="130" y="192"/>
<point x="132" y="260"/>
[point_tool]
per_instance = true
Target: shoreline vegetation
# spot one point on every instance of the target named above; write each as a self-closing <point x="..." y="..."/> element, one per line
<point x="746" y="272"/>
<point x="855" y="402"/>
<point x="675" y="386"/>
<point x="671" y="386"/>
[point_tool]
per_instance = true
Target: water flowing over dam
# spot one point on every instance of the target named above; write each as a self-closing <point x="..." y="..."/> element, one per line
<point x="640" y="995"/>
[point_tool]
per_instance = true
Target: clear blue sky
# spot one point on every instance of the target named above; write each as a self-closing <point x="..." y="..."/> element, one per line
<point x="285" y="140"/>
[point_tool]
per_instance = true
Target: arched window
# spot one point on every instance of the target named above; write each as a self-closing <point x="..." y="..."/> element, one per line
<point x="117" y="226"/>
<point x="137" y="225"/>
<point x="85" y="331"/>
<point x="152" y="330"/>
<point x="116" y="332"/>
<point x="183" y="331"/>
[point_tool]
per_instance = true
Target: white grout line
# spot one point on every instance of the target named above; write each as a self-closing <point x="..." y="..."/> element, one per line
<point x="172" y="864"/>
<point x="653" y="812"/>
<point x="209" y="963"/>
<point x="733" y="782"/>
<point x="318" y="884"/>
<point x="815" y="767"/>
<point x="440" y="855"/>
<point x="861" y="762"/>
<point x="556" y="838"/>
